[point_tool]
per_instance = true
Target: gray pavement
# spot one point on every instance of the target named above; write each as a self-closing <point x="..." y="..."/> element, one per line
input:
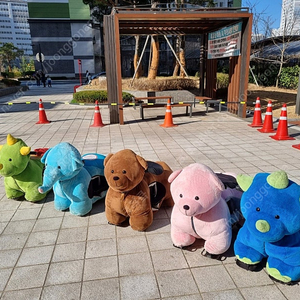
<point x="48" y="254"/>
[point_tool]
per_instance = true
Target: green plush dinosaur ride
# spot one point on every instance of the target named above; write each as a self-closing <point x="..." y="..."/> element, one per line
<point x="22" y="175"/>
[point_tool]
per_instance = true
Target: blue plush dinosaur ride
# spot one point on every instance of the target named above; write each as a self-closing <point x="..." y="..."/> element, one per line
<point x="271" y="232"/>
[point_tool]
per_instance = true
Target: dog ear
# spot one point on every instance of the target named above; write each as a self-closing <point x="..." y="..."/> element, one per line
<point x="107" y="158"/>
<point x="142" y="162"/>
<point x="173" y="176"/>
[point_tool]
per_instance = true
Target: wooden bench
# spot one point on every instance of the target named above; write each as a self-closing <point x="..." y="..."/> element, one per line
<point x="153" y="104"/>
<point x="207" y="101"/>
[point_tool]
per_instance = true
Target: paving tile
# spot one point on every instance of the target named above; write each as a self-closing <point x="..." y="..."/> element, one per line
<point x="72" y="251"/>
<point x="101" y="232"/>
<point x="27" y="214"/>
<point x="71" y="221"/>
<point x="159" y="226"/>
<point x="64" y="272"/>
<point x="141" y="286"/>
<point x="13" y="241"/>
<point x="35" y="256"/>
<point x="47" y="224"/>
<point x="101" y="248"/>
<point x="4" y="276"/>
<point x="223" y="295"/>
<point x="69" y="291"/>
<point x="100" y="268"/>
<point x="213" y="278"/>
<point x="243" y="278"/>
<point x="6" y="215"/>
<point x="71" y="235"/>
<point x="132" y="244"/>
<point x="19" y="227"/>
<point x="159" y="241"/>
<point x="176" y="283"/>
<point x="269" y="292"/>
<point x="8" y="258"/>
<point x="289" y="291"/>
<point x="9" y="204"/>
<point x="135" y="263"/>
<point x="28" y="294"/>
<point x="27" y="277"/>
<point x="107" y="289"/>
<point x="42" y="238"/>
<point x="168" y="259"/>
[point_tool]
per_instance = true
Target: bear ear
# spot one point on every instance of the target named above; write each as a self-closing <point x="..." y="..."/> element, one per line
<point x="174" y="175"/>
<point x="142" y="162"/>
<point x="107" y="158"/>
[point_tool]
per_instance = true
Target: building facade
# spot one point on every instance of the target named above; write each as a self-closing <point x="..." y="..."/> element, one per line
<point x="62" y="37"/>
<point x="290" y="18"/>
<point x="14" y="27"/>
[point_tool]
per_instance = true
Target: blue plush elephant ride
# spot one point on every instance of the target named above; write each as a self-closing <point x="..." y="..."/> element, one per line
<point x="271" y="232"/>
<point x="77" y="181"/>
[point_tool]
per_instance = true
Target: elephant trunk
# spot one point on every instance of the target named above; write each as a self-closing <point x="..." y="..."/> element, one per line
<point x="50" y="177"/>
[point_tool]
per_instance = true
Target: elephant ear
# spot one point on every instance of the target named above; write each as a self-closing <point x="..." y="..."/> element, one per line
<point x="43" y="159"/>
<point x="107" y="158"/>
<point x="77" y="162"/>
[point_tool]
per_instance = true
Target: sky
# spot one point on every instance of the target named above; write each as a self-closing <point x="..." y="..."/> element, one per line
<point x="270" y="8"/>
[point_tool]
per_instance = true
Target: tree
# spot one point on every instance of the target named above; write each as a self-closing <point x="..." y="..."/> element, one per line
<point x="8" y="53"/>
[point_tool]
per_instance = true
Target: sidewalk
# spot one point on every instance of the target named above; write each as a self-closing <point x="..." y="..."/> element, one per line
<point x="47" y="254"/>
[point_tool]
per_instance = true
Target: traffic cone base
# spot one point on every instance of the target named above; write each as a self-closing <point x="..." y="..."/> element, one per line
<point x="257" y="121"/>
<point x="168" y="122"/>
<point x="296" y="146"/>
<point x="97" y="117"/>
<point x="282" y="129"/>
<point x="42" y="115"/>
<point x="268" y="121"/>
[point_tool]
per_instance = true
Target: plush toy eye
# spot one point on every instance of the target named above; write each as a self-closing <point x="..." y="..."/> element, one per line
<point x="277" y="217"/>
<point x="112" y="171"/>
<point x="196" y="198"/>
<point x="58" y="167"/>
<point x="124" y="171"/>
<point x="180" y="195"/>
<point x="257" y="209"/>
<point x="9" y="159"/>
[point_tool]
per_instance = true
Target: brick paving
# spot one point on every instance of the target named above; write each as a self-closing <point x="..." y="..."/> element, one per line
<point x="48" y="254"/>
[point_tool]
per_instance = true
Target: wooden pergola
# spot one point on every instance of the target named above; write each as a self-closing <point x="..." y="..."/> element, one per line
<point x="156" y="21"/>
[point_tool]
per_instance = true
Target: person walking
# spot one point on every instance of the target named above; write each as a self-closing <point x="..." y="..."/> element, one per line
<point x="49" y="81"/>
<point x="44" y="79"/>
<point x="87" y="76"/>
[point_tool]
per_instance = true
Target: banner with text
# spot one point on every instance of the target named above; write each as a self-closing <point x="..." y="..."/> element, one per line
<point x="225" y="42"/>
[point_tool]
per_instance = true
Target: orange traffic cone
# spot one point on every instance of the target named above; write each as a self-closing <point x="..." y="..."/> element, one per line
<point x="257" y="121"/>
<point x="268" y="121"/>
<point x="42" y="115"/>
<point x="97" y="117"/>
<point x="282" y="130"/>
<point x="296" y="146"/>
<point x="168" y="116"/>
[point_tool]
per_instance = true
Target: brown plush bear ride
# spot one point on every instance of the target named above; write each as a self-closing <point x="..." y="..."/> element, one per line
<point x="136" y="188"/>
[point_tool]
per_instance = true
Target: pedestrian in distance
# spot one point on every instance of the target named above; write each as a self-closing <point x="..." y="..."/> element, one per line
<point x="49" y="81"/>
<point x="87" y="76"/>
<point x="44" y="79"/>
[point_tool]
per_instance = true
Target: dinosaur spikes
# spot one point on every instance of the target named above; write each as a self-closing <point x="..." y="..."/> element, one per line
<point x="244" y="181"/>
<point x="25" y="151"/>
<point x="11" y="140"/>
<point x="278" y="180"/>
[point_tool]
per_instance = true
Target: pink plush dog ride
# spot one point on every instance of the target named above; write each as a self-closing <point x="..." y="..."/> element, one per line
<point x="200" y="211"/>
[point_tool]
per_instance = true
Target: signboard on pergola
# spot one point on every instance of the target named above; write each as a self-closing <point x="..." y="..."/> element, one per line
<point x="203" y="21"/>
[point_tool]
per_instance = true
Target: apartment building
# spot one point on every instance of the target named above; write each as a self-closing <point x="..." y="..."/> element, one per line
<point x="290" y="18"/>
<point x="14" y="27"/>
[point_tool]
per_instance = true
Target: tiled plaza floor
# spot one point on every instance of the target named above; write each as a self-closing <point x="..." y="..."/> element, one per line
<point x="48" y="254"/>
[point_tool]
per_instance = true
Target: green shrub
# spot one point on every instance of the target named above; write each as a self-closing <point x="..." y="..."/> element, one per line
<point x="101" y="96"/>
<point x="11" y="82"/>
<point x="289" y="77"/>
<point x="222" y="80"/>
